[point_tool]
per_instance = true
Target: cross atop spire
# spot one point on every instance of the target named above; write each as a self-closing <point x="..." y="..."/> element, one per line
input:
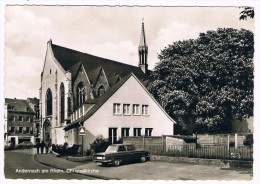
<point x="142" y="37"/>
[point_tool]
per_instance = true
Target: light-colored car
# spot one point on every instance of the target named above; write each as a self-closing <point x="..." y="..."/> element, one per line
<point x="8" y="145"/>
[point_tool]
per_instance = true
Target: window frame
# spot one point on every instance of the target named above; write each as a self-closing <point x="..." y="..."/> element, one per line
<point x="139" y="133"/>
<point x="81" y="94"/>
<point x="13" y="118"/>
<point x="20" y="128"/>
<point x="27" y="128"/>
<point x="135" y="112"/>
<point x="13" y="129"/>
<point x="129" y="109"/>
<point x="112" y="134"/>
<point x="123" y="129"/>
<point x="62" y="103"/>
<point x="148" y="132"/>
<point x="101" y="90"/>
<point x="117" y="110"/>
<point x="28" y="119"/>
<point x="143" y="110"/>
<point x="49" y="102"/>
<point x="20" y="120"/>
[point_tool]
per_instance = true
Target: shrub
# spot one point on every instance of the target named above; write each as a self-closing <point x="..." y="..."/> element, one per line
<point x="64" y="149"/>
<point x="249" y="140"/>
<point x="89" y="152"/>
<point x="100" y="144"/>
<point x="73" y="150"/>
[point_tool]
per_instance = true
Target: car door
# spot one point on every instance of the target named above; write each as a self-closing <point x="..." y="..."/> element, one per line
<point x="121" y="153"/>
<point x="132" y="156"/>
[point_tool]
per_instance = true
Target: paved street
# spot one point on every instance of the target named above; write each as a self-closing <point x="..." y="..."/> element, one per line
<point x="17" y="160"/>
<point x="152" y="170"/>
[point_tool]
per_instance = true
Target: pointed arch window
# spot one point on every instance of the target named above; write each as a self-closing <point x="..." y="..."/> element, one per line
<point x="62" y="103"/>
<point x="80" y="93"/>
<point x="48" y="102"/>
<point x="101" y="90"/>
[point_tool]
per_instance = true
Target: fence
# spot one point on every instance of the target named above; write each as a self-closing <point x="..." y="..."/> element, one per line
<point x="220" y="139"/>
<point x="208" y="151"/>
<point x="207" y="146"/>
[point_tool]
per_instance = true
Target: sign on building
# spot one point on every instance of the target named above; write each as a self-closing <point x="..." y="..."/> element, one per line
<point x="82" y="131"/>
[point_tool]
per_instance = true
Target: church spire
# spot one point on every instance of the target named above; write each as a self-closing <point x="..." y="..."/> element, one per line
<point x="143" y="51"/>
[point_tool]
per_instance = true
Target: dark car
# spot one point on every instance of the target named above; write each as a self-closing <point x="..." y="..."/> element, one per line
<point x="121" y="153"/>
<point x="25" y="144"/>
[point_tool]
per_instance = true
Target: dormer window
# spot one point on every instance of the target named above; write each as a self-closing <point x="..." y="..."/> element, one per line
<point x="12" y="108"/>
<point x="101" y="90"/>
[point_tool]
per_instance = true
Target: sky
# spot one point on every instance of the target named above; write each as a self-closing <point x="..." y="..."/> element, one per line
<point x="108" y="32"/>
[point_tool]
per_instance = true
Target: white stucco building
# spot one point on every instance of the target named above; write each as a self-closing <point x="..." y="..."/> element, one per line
<point x="120" y="113"/>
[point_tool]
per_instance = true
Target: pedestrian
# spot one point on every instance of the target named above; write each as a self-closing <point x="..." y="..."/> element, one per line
<point x="47" y="145"/>
<point x="38" y="146"/>
<point x="42" y="147"/>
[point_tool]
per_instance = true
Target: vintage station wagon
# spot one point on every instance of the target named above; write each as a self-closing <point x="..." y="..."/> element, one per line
<point x="121" y="153"/>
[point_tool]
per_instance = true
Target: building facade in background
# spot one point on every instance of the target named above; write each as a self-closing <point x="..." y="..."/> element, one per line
<point x="21" y="119"/>
<point x="108" y="98"/>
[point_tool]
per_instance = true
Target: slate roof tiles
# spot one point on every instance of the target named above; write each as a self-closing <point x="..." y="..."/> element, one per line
<point x="71" y="60"/>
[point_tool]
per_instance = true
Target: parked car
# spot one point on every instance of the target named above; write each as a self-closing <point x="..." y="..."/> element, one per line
<point x="25" y="144"/>
<point x="8" y="145"/>
<point x="117" y="154"/>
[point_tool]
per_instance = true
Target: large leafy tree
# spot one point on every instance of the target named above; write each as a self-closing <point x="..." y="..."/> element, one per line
<point x="247" y="12"/>
<point x="209" y="79"/>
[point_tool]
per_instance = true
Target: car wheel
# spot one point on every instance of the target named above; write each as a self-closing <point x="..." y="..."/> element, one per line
<point x="143" y="159"/>
<point x="116" y="162"/>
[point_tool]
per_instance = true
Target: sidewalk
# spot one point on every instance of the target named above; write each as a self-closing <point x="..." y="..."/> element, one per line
<point x="56" y="162"/>
<point x="67" y="166"/>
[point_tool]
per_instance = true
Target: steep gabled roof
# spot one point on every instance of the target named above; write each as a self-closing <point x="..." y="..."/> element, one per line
<point x="74" y="70"/>
<point x="113" y="79"/>
<point x="105" y="97"/>
<point x="18" y="105"/>
<point x="69" y="60"/>
<point x="34" y="101"/>
<point x="93" y="75"/>
<point x="99" y="103"/>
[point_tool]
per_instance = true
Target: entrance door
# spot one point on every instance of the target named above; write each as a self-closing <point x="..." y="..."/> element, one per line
<point x="47" y="131"/>
<point x="13" y="141"/>
<point x="112" y="134"/>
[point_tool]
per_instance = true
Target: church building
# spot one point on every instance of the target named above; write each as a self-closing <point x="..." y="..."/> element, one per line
<point x="106" y="97"/>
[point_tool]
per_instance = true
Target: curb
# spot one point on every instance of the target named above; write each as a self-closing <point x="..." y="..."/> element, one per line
<point x="64" y="169"/>
<point x="216" y="162"/>
<point x="79" y="159"/>
<point x="54" y="153"/>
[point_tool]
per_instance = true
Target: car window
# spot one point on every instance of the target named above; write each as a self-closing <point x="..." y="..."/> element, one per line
<point x="111" y="148"/>
<point x="121" y="148"/>
<point x="130" y="147"/>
